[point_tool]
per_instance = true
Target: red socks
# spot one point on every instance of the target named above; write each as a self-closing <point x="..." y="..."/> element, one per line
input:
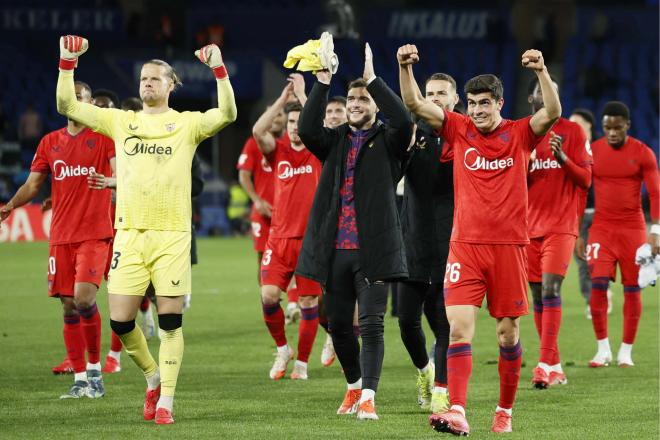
<point x="509" y="369"/>
<point x="292" y="295"/>
<point x="274" y="319"/>
<point x="551" y="319"/>
<point x="115" y="342"/>
<point x="632" y="311"/>
<point x="309" y="325"/>
<point x="74" y="343"/>
<point x="459" y="370"/>
<point x="598" y="305"/>
<point x="90" y="324"/>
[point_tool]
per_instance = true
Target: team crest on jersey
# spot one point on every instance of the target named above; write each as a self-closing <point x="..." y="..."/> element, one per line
<point x="170" y="127"/>
<point x="504" y="137"/>
<point x="56" y="148"/>
<point x="91" y="143"/>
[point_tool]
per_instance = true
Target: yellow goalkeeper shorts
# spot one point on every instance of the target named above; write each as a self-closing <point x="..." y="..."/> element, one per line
<point x="141" y="256"/>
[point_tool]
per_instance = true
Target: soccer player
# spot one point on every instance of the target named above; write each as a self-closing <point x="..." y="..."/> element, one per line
<point x="587" y="121"/>
<point x="105" y="98"/>
<point x="426" y="217"/>
<point x="353" y="243"/>
<point x="559" y="176"/>
<point x="154" y="149"/>
<point x="487" y="249"/>
<point x="621" y="164"/>
<point x="80" y="235"/>
<point x="296" y="176"/>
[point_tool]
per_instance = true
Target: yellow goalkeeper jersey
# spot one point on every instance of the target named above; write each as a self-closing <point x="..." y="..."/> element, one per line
<point x="154" y="155"/>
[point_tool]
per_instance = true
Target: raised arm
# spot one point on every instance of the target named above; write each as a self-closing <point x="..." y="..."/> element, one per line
<point x="261" y="130"/>
<point x="25" y="193"/>
<point x="216" y="119"/>
<point x="551" y="111"/>
<point x="412" y="97"/>
<point x="96" y="118"/>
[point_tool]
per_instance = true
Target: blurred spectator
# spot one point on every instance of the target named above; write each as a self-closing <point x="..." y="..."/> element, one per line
<point x="342" y="24"/>
<point x="133" y="103"/>
<point x="238" y="211"/>
<point x="105" y="98"/>
<point x="211" y="34"/>
<point x="4" y="124"/>
<point x="30" y="129"/>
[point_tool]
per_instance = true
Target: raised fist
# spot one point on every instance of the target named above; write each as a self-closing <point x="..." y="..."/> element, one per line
<point x="533" y="59"/>
<point x="407" y="54"/>
<point x="210" y="55"/>
<point x="72" y="46"/>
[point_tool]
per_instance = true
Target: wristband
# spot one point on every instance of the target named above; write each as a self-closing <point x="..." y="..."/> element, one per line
<point x="655" y="229"/>
<point x="220" y="72"/>
<point x="67" y="64"/>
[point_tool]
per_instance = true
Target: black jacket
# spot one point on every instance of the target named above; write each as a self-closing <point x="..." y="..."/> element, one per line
<point x="377" y="172"/>
<point x="428" y="208"/>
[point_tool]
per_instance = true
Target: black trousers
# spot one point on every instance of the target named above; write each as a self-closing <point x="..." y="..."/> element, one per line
<point x="346" y="284"/>
<point x="413" y="298"/>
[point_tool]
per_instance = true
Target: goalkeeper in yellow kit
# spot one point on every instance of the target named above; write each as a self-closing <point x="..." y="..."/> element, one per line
<point x="154" y="151"/>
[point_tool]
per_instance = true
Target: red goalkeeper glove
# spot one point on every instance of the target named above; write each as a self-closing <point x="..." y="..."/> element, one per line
<point x="71" y="47"/>
<point x="211" y="56"/>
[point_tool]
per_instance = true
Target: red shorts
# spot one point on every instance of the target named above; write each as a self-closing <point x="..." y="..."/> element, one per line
<point x="73" y="263"/>
<point x="549" y="254"/>
<point x="609" y="246"/>
<point x="260" y="231"/>
<point x="496" y="271"/>
<point x="279" y="263"/>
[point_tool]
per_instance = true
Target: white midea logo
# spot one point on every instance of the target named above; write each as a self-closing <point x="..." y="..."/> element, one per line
<point x="62" y="170"/>
<point x="475" y="161"/>
<point x="286" y="171"/>
<point x="547" y="164"/>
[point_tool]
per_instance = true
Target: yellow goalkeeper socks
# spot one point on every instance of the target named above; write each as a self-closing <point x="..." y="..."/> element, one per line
<point x="170" y="357"/>
<point x="136" y="347"/>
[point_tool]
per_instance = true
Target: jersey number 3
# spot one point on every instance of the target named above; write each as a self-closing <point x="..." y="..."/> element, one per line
<point x="115" y="260"/>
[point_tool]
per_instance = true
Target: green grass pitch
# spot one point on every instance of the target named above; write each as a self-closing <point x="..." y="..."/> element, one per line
<point x="224" y="390"/>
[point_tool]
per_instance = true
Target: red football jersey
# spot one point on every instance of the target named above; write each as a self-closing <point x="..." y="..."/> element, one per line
<point x="296" y="176"/>
<point x="618" y="176"/>
<point x="554" y="199"/>
<point x="490" y="179"/>
<point x="79" y="212"/>
<point x="252" y="160"/>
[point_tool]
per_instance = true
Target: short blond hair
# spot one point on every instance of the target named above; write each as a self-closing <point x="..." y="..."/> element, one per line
<point x="169" y="72"/>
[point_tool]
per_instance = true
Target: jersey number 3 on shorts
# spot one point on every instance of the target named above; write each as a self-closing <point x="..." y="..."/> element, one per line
<point x="266" y="259"/>
<point x="453" y="272"/>
<point x="115" y="260"/>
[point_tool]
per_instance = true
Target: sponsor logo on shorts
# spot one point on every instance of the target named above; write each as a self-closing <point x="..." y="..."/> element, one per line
<point x="175" y="283"/>
<point x="474" y="161"/>
<point x="61" y="170"/>
<point x="547" y="164"/>
<point x="286" y="171"/>
<point x="134" y="145"/>
<point x="130" y="127"/>
<point x="519" y="304"/>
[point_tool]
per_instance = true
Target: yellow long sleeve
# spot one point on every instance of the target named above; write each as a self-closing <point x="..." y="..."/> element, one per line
<point x="216" y="119"/>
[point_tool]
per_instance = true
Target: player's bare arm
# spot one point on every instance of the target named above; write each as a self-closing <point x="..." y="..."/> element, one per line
<point x="218" y="118"/>
<point x="261" y="130"/>
<point x="100" y="181"/>
<point x="298" y="82"/>
<point x="406" y="56"/>
<point x="25" y="193"/>
<point x="544" y="118"/>
<point x="245" y="179"/>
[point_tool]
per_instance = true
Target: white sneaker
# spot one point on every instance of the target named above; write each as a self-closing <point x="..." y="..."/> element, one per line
<point x="328" y="353"/>
<point x="624" y="357"/>
<point x="148" y="325"/>
<point x="281" y="362"/>
<point x="609" y="301"/>
<point x="299" y="372"/>
<point x="602" y="359"/>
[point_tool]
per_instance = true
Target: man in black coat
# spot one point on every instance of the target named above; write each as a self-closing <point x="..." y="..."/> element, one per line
<point x="426" y="217"/>
<point x="353" y="242"/>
